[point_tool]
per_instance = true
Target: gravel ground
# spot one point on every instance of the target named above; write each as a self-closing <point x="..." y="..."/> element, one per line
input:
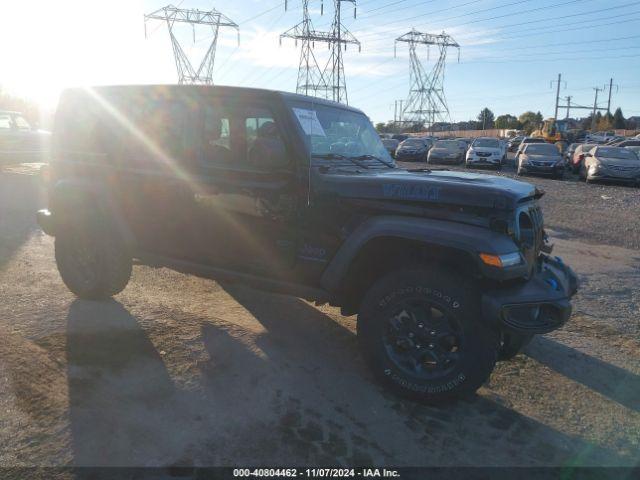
<point x="180" y="370"/>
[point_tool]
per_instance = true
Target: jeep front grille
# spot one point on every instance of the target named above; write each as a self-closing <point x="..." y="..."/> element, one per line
<point x="531" y="233"/>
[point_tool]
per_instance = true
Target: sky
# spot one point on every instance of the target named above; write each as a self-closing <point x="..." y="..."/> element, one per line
<point x="511" y="50"/>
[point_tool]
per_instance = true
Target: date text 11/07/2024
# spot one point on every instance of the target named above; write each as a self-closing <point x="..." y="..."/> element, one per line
<point x="316" y="473"/>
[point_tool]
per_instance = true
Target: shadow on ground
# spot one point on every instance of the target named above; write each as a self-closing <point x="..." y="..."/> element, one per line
<point x="20" y="198"/>
<point x="291" y="390"/>
<point x="613" y="382"/>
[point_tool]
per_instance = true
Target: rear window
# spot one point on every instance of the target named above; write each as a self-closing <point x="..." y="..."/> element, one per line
<point x="124" y="127"/>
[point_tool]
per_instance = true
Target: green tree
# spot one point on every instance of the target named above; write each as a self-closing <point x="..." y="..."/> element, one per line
<point x="530" y="121"/>
<point x="486" y="118"/>
<point x="507" y="122"/>
<point x="618" y="119"/>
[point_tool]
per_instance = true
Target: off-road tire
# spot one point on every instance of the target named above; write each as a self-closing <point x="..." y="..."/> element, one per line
<point x="511" y="345"/>
<point x="459" y="301"/>
<point x="109" y="270"/>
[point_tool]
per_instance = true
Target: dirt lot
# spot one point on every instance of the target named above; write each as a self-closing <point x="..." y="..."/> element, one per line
<point x="179" y="370"/>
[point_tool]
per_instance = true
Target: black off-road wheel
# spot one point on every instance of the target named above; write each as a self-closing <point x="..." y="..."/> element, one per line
<point x="93" y="261"/>
<point x="422" y="335"/>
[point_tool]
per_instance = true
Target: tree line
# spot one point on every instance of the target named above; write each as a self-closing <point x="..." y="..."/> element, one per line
<point x="527" y="121"/>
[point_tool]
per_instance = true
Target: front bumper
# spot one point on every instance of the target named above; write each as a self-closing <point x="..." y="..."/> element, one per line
<point x="615" y="176"/>
<point x="547" y="170"/>
<point x="489" y="161"/>
<point x="410" y="157"/>
<point x="445" y="160"/>
<point x="540" y="305"/>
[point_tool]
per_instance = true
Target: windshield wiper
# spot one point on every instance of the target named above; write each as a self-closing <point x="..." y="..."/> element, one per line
<point x="337" y="156"/>
<point x="373" y="157"/>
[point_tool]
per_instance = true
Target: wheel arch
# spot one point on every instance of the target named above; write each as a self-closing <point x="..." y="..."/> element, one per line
<point x="384" y="243"/>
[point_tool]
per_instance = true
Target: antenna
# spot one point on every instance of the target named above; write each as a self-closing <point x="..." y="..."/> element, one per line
<point x="426" y="102"/>
<point x="187" y="74"/>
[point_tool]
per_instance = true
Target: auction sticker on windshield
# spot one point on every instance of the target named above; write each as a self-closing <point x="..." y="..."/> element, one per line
<point x="309" y="121"/>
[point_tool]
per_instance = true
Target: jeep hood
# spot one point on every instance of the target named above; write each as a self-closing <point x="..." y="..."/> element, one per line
<point x="438" y="187"/>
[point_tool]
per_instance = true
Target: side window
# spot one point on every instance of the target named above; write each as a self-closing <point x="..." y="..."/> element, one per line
<point x="264" y="145"/>
<point x="216" y="136"/>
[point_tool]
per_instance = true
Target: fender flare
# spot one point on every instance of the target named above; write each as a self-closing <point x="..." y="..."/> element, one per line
<point x="468" y="239"/>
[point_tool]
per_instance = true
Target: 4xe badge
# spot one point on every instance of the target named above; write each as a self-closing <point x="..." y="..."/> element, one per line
<point x="411" y="192"/>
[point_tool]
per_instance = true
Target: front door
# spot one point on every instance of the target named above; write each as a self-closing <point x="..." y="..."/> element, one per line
<point x="246" y="195"/>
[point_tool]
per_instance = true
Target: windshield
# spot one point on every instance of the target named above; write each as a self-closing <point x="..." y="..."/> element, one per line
<point x="413" y="143"/>
<point x="486" y="142"/>
<point x="337" y="131"/>
<point x="447" y="144"/>
<point x="616" y="152"/>
<point x="542" y="149"/>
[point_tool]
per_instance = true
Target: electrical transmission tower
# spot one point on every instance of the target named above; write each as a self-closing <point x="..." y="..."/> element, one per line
<point x="311" y="79"/>
<point x="340" y="37"/>
<point x="214" y="19"/>
<point x="426" y="102"/>
<point x="328" y="82"/>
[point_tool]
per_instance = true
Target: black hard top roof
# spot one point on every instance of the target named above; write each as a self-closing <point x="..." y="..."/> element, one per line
<point x="223" y="90"/>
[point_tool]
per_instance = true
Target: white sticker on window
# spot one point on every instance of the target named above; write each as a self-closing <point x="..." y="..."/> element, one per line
<point x="309" y="121"/>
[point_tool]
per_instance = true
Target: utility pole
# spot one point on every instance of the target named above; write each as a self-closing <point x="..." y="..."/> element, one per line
<point x="311" y="79"/>
<point x="568" y="106"/>
<point x="559" y="81"/>
<point x="611" y="85"/>
<point x="426" y="102"/>
<point x="171" y="15"/>
<point x="595" y="107"/>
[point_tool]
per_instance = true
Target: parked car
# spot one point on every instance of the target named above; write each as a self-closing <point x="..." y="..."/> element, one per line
<point x="615" y="140"/>
<point x="634" y="148"/>
<point x="20" y="142"/>
<point x="568" y="154"/>
<point x="446" y="271"/>
<point x="525" y="141"/>
<point x="413" y="150"/>
<point x="514" y="143"/>
<point x="630" y="142"/>
<point x="485" y="151"/>
<point x="578" y="156"/>
<point x="391" y="144"/>
<point x="544" y="158"/>
<point x="446" y="151"/>
<point x="401" y="137"/>
<point x="611" y="163"/>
